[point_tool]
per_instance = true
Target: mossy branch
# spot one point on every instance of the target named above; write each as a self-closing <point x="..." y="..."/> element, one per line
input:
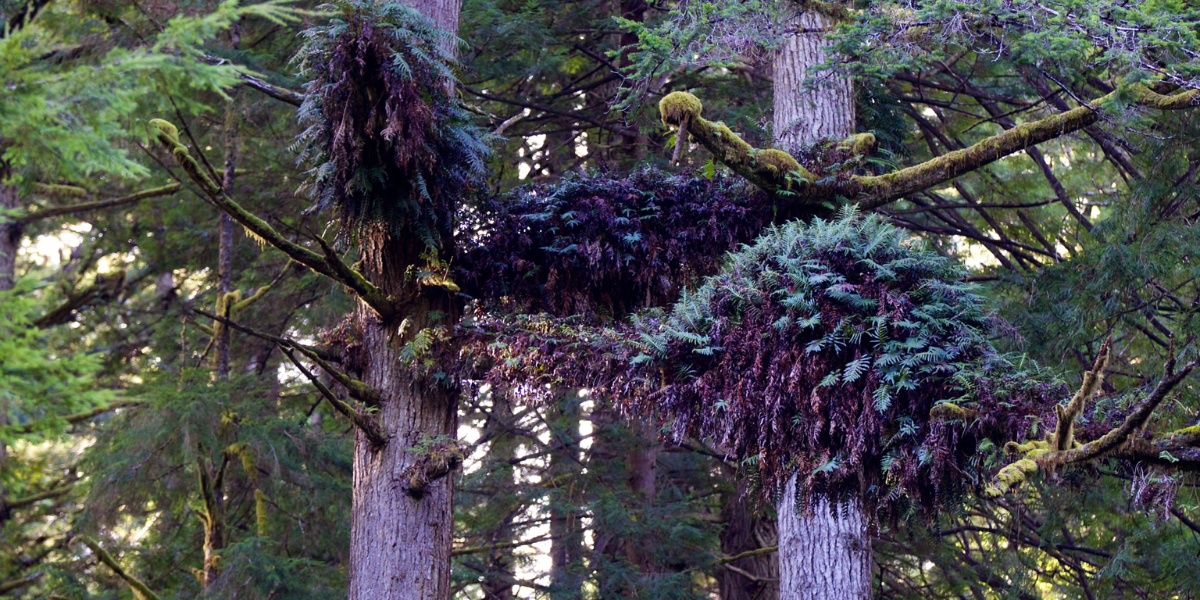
<point x="140" y="590"/>
<point x="104" y="288"/>
<point x="877" y="191"/>
<point x="327" y="263"/>
<point x="80" y="417"/>
<point x="55" y="492"/>
<point x="771" y="170"/>
<point x="776" y="171"/>
<point x="249" y="461"/>
<point x="952" y="412"/>
<point x="370" y="428"/>
<point x="1135" y="421"/>
<point x="1063" y="437"/>
<point x="357" y="389"/>
<point x="1119" y="441"/>
<point x="58" y="211"/>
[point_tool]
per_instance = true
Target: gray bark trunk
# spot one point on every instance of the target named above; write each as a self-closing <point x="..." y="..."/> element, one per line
<point x="400" y="544"/>
<point x="825" y="555"/>
<point x="225" y="241"/>
<point x="808" y="110"/>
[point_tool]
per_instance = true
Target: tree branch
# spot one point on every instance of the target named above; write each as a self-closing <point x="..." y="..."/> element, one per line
<point x="57" y="211"/>
<point x="139" y="589"/>
<point x="326" y="264"/>
<point x="364" y="423"/>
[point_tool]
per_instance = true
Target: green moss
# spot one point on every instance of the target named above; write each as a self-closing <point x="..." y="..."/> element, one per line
<point x="862" y="144"/>
<point x="952" y="412"/>
<point x="1010" y="477"/>
<point x="677" y="107"/>
<point x="780" y="162"/>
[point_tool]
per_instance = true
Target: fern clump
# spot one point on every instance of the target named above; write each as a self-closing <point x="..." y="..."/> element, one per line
<point x="821" y="349"/>
<point x="388" y="139"/>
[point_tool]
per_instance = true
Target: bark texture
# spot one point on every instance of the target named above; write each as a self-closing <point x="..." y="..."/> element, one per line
<point x="400" y="542"/>
<point x="808" y="110"/>
<point x="825" y="555"/>
<point x="10" y="235"/>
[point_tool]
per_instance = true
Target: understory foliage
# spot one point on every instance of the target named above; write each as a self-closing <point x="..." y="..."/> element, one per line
<point x="389" y="141"/>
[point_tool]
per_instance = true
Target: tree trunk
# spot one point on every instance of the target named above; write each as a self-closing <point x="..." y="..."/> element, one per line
<point x="225" y="243"/>
<point x="825" y="555"/>
<point x="10" y="235"/>
<point x="806" y="111"/>
<point x="497" y="582"/>
<point x="399" y="542"/>
<point x="566" y="531"/>
<point x="10" y="242"/>
<point x="754" y="577"/>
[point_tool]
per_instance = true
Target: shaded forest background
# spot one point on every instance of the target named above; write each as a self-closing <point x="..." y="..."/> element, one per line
<point x="143" y="443"/>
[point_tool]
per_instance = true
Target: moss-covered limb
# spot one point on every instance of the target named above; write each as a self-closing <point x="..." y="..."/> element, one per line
<point x="952" y="412"/>
<point x="768" y="169"/>
<point x="13" y="585"/>
<point x="245" y="455"/>
<point x="54" y="492"/>
<point x="435" y="461"/>
<point x="80" y="417"/>
<point x="1063" y="437"/>
<point x="260" y="293"/>
<point x="103" y="288"/>
<point x="58" y="211"/>
<point x="1011" y="477"/>
<point x="357" y="389"/>
<point x="1136" y="420"/>
<point x="140" y="590"/>
<point x="60" y="190"/>
<point x="877" y="191"/>
<point x="364" y="423"/>
<point x="326" y="264"/>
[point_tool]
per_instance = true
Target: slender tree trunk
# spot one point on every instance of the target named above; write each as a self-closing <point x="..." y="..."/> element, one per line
<point x="225" y="242"/>
<point x="400" y="543"/>
<point x="825" y="555"/>
<point x="566" y="531"/>
<point x="497" y="583"/>
<point x="10" y="241"/>
<point x="808" y="110"/>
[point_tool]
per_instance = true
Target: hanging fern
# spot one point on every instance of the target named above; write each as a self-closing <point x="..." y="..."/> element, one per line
<point x="385" y="136"/>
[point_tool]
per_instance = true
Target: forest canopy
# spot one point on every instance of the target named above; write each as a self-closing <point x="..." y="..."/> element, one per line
<point x="597" y="299"/>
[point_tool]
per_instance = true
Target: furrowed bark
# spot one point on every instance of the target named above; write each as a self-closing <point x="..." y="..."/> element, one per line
<point x="225" y="245"/>
<point x="566" y="530"/>
<point x="825" y="555"/>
